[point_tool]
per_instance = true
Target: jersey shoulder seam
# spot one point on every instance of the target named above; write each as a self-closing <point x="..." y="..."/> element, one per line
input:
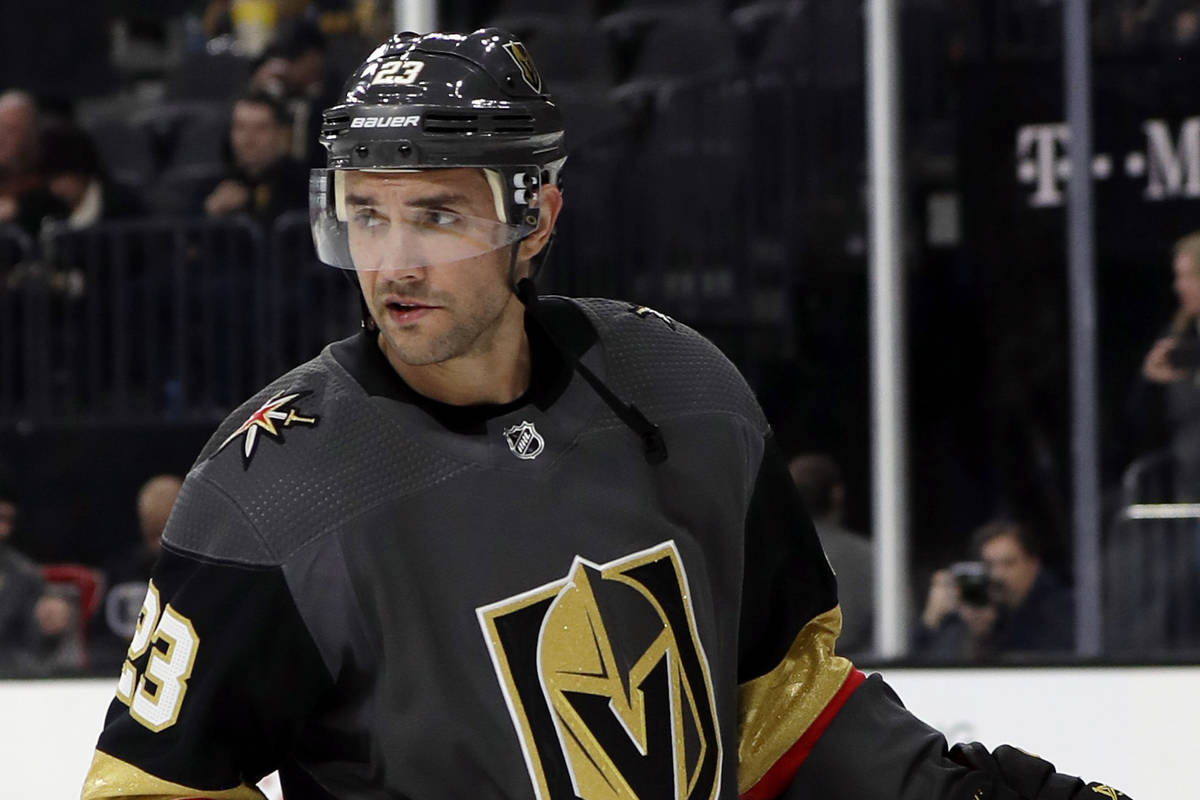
<point x="241" y="512"/>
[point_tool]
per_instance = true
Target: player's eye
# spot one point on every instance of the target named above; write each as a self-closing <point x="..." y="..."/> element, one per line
<point x="368" y="219"/>
<point x="438" y="218"/>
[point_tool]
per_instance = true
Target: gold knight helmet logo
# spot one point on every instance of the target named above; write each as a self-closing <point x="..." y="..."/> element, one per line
<point x="529" y="72"/>
<point x="607" y="683"/>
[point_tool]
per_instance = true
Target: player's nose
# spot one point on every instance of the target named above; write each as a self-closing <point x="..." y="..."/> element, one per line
<point x="403" y="252"/>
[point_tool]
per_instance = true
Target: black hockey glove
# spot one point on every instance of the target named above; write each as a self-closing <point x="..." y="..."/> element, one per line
<point x="1021" y="775"/>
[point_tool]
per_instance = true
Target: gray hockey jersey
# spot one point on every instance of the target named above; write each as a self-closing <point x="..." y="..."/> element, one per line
<point x="385" y="597"/>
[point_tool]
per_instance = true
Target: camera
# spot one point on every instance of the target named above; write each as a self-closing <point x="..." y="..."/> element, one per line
<point x="973" y="582"/>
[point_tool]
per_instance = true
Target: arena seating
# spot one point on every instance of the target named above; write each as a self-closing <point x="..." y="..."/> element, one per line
<point x="567" y="54"/>
<point x="125" y="148"/>
<point x="204" y="76"/>
<point x="83" y="586"/>
<point x="172" y="318"/>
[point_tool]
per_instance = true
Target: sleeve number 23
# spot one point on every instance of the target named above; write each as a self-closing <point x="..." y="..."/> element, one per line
<point x="154" y="696"/>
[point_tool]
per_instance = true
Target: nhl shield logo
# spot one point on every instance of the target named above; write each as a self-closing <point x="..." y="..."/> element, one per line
<point x="524" y="440"/>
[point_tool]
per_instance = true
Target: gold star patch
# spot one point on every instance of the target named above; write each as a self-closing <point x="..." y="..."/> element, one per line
<point x="271" y="418"/>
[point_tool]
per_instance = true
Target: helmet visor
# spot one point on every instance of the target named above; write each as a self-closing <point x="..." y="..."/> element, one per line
<point x="382" y="229"/>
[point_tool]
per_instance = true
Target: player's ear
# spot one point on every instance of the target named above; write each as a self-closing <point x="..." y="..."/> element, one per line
<point x="549" y="202"/>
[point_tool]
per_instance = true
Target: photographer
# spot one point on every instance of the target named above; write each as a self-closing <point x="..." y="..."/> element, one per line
<point x="1006" y="602"/>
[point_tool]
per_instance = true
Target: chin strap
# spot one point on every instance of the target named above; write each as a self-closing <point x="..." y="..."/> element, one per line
<point x="654" y="446"/>
<point x="366" y="321"/>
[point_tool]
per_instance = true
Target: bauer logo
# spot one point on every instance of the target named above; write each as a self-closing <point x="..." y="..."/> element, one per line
<point x="385" y="122"/>
<point x="607" y="683"/>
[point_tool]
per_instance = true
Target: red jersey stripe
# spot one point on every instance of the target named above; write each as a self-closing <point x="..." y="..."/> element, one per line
<point x="780" y="774"/>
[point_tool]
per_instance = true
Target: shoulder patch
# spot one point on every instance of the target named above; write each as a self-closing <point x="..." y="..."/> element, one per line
<point x="271" y="418"/>
<point x="646" y="311"/>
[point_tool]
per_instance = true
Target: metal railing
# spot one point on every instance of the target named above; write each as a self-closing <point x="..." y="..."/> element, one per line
<point x="17" y="370"/>
<point x="182" y="318"/>
<point x="309" y="304"/>
<point x="1152" y="565"/>
<point x="175" y="319"/>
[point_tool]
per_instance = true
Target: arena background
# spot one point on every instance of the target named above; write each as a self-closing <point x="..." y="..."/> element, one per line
<point x="718" y="173"/>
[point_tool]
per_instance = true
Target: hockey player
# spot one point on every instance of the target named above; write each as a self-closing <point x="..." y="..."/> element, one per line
<point x="497" y="545"/>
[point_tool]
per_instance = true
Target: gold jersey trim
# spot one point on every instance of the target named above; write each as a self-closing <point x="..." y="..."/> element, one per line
<point x="775" y="710"/>
<point x="112" y="777"/>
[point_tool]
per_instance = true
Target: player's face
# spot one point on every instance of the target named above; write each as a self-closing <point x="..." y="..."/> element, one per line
<point x="430" y="314"/>
<point x="1187" y="283"/>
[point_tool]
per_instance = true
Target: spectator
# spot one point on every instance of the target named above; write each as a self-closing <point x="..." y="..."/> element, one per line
<point x="1170" y="372"/>
<point x="33" y="619"/>
<point x="293" y="68"/>
<point x="1015" y="606"/>
<point x="75" y="176"/>
<point x="820" y="483"/>
<point x="24" y="199"/>
<point x="1185" y="29"/>
<point x="264" y="180"/>
<point x="128" y="574"/>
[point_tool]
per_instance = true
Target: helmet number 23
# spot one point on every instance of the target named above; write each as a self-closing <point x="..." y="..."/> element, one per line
<point x="155" y="696"/>
<point x="398" y="73"/>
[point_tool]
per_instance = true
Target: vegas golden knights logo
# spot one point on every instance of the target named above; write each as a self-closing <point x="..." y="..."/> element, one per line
<point x="529" y="72"/>
<point x="607" y="683"/>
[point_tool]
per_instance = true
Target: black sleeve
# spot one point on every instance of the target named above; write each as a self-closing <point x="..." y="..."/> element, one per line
<point x="218" y="682"/>
<point x="790" y="680"/>
<point x="876" y="748"/>
<point x="787" y="579"/>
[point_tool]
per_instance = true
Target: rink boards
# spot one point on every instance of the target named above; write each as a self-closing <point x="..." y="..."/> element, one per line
<point x="1131" y="727"/>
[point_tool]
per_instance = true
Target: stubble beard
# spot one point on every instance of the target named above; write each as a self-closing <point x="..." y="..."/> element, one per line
<point x="470" y="331"/>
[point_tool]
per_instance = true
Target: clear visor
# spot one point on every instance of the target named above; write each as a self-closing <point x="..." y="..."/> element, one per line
<point x="380" y="224"/>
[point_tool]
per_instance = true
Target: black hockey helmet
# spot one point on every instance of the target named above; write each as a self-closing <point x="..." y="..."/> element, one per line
<point x="440" y="101"/>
